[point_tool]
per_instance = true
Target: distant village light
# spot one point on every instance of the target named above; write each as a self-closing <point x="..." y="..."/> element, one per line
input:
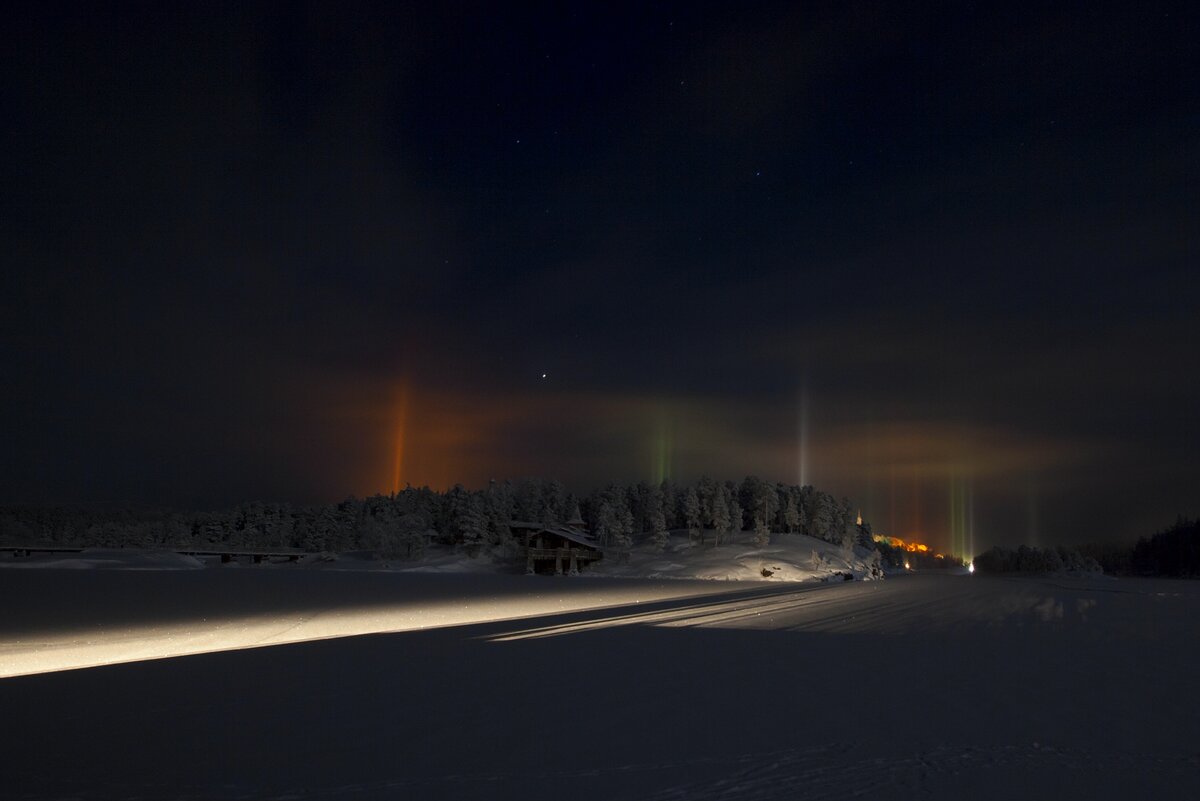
<point x="896" y="542"/>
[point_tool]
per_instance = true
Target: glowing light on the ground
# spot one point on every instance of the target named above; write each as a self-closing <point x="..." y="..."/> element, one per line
<point x="120" y="642"/>
<point x="714" y="612"/>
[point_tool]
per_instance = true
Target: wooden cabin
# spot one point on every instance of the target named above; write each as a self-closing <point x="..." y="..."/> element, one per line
<point x="564" y="547"/>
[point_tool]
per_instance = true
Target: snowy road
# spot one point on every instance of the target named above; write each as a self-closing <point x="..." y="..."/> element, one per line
<point x="531" y="688"/>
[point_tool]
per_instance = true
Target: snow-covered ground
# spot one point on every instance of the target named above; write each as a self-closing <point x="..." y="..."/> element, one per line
<point x="67" y="619"/>
<point x="789" y="557"/>
<point x="531" y="687"/>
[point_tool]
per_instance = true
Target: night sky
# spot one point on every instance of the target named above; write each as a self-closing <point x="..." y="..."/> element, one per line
<point x="933" y="258"/>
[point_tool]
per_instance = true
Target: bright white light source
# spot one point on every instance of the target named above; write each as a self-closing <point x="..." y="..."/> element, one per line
<point x="971" y="568"/>
<point x="906" y="567"/>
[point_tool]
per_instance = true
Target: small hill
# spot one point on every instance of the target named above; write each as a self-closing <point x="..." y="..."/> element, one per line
<point x="789" y="557"/>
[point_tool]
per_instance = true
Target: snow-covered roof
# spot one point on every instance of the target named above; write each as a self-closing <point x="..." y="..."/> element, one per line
<point x="566" y="531"/>
<point x="574" y="535"/>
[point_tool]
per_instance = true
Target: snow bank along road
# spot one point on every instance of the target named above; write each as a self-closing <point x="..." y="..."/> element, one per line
<point x="532" y="687"/>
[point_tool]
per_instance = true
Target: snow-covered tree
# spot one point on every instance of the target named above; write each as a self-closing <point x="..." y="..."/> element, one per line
<point x="763" y="502"/>
<point x="692" y="514"/>
<point x="670" y="503"/>
<point x="720" y="515"/>
<point x="475" y="527"/>
<point x="707" y="490"/>
<point x="847" y="528"/>
<point x="735" y="517"/>
<point x="571" y="508"/>
<point x="554" y="503"/>
<point x="614" y="520"/>
<point x="822" y="521"/>
<point x="500" y="506"/>
<point x="531" y="501"/>
<point x="762" y="534"/>
<point x="406" y="537"/>
<point x="791" y="510"/>
<point x="656" y="521"/>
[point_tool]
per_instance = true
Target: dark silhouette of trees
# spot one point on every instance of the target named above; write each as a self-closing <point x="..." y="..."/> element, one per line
<point x="1031" y="559"/>
<point x="1174" y="551"/>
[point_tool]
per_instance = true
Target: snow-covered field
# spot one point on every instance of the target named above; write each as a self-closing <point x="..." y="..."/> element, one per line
<point x="789" y="557"/>
<point x="134" y="634"/>
<point x="531" y="687"/>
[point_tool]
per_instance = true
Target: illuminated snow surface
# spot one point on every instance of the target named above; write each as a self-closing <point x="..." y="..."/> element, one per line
<point x="535" y="687"/>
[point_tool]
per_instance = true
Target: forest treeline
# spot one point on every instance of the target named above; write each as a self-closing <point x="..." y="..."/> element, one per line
<point x="403" y="524"/>
<point x="1032" y="559"/>
<point x="1172" y="552"/>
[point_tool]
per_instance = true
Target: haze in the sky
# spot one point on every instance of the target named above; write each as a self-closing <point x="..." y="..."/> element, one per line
<point x="938" y="260"/>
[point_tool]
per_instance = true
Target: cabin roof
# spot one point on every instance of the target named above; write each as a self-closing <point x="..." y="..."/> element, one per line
<point x="566" y="531"/>
<point x="574" y="535"/>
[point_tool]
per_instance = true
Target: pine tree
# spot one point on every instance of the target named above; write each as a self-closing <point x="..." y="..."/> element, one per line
<point x="615" y="521"/>
<point x="473" y="525"/>
<point x="846" y="526"/>
<point x="407" y="538"/>
<point x="692" y="515"/>
<point x="720" y="515"/>
<point x="822" y="520"/>
<point x="655" y="519"/>
<point x="735" y="517"/>
<point x="531" y="501"/>
<point x="670" y="503"/>
<point x="500" y="511"/>
<point x="763" y="503"/>
<point x="791" y="512"/>
<point x="706" y="490"/>
<point x="762" y="535"/>
<point x="554" y="503"/>
<point x="622" y="530"/>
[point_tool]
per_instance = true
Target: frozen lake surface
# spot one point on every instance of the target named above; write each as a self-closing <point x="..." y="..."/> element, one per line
<point x="392" y="685"/>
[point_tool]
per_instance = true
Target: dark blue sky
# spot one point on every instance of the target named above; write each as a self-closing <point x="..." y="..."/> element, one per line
<point x="250" y="248"/>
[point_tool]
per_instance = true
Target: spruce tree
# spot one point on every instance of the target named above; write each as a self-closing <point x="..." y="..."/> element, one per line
<point x="720" y="515"/>
<point x="692" y="515"/>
